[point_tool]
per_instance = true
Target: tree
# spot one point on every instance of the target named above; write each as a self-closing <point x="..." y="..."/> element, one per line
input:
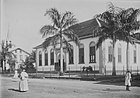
<point x="128" y="25"/>
<point x="29" y="62"/>
<point x="59" y="30"/>
<point x="108" y="29"/>
<point x="5" y="53"/>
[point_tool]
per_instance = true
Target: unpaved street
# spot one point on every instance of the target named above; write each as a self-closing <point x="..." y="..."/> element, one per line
<point x="55" y="88"/>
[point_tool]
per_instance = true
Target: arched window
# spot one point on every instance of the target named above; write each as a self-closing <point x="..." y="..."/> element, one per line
<point x="46" y="58"/>
<point x="71" y="56"/>
<point x="110" y="54"/>
<point x="135" y="55"/>
<point x="81" y="54"/>
<point x="52" y="57"/>
<point x="119" y="54"/>
<point x="92" y="52"/>
<point x="40" y="58"/>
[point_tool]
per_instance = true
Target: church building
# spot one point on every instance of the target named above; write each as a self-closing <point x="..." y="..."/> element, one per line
<point x="87" y="55"/>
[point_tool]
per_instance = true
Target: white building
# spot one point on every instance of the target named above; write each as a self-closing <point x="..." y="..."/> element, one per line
<point x="20" y="56"/>
<point x="87" y="55"/>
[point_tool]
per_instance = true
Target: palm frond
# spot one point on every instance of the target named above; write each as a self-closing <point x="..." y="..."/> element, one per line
<point x="51" y="40"/>
<point x="66" y="14"/>
<point x="48" y="30"/>
<point x="68" y="46"/>
<point x="54" y="15"/>
<point x="68" y="20"/>
<point x="101" y="40"/>
<point x="69" y="33"/>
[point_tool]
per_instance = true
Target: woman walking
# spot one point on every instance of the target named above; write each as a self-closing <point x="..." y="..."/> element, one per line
<point x="128" y="80"/>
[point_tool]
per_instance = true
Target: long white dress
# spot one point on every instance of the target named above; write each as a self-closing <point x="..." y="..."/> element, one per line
<point x="16" y="75"/>
<point x="128" y="79"/>
<point x="23" y="84"/>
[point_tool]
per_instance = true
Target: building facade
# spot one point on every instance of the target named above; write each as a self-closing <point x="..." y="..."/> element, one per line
<point x="20" y="56"/>
<point x="87" y="55"/>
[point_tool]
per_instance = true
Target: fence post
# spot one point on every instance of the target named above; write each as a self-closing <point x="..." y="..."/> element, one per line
<point x="105" y="70"/>
<point x="50" y="72"/>
<point x="87" y="71"/>
<point x="69" y="71"/>
<point x="80" y="72"/>
<point x="94" y="71"/>
<point x="43" y="72"/>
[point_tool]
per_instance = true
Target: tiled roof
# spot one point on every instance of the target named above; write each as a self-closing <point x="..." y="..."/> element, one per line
<point x="83" y="29"/>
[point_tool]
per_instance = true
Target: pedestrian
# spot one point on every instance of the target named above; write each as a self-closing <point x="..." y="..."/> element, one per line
<point x="16" y="75"/>
<point x="128" y="80"/>
<point x="23" y="83"/>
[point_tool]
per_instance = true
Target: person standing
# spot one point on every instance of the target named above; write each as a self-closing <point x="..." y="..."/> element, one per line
<point x="128" y="80"/>
<point x="23" y="84"/>
<point x="16" y="75"/>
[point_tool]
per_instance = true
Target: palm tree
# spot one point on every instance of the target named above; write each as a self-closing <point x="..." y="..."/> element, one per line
<point x="128" y="25"/>
<point x="59" y="30"/>
<point x="108" y="29"/>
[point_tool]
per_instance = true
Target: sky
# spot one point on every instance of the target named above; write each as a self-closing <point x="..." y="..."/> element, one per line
<point x="24" y="18"/>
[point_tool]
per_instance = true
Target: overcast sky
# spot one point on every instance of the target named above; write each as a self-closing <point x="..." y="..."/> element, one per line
<point x="24" y="18"/>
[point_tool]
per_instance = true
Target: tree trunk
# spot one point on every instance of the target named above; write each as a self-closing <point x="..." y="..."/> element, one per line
<point x="127" y="57"/>
<point x="113" y="60"/>
<point x="61" y="56"/>
<point x="2" y="65"/>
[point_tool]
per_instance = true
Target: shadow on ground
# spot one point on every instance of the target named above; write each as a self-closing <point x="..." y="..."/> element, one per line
<point x="16" y="90"/>
<point x="120" y="81"/>
<point x="108" y="89"/>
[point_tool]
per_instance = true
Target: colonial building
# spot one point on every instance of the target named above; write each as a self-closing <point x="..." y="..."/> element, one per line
<point x="20" y="56"/>
<point x="87" y="55"/>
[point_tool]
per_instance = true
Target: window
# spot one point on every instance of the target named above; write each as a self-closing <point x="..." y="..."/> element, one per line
<point x="119" y="54"/>
<point x="135" y="56"/>
<point x="40" y="59"/>
<point x="81" y="54"/>
<point x="92" y="52"/>
<point x="46" y="58"/>
<point x="52" y="57"/>
<point x="21" y="57"/>
<point x="109" y="54"/>
<point x="71" y="56"/>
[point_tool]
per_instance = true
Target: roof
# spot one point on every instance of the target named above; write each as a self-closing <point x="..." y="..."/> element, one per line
<point x="21" y="50"/>
<point x="83" y="29"/>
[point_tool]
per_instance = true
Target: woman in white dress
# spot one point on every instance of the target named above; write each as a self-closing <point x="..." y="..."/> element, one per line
<point x="128" y="80"/>
<point x="23" y="84"/>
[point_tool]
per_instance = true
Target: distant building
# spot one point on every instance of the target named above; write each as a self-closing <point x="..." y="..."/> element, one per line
<point x="86" y="55"/>
<point x="20" y="56"/>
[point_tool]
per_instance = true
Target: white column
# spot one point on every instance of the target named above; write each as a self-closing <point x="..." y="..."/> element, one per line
<point x="54" y="56"/>
<point x="49" y="57"/>
<point x="37" y="59"/>
<point x="43" y="58"/>
<point x="86" y="53"/>
<point x="67" y="61"/>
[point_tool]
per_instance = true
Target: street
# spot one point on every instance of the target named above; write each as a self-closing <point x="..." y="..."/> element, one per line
<point x="60" y="88"/>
